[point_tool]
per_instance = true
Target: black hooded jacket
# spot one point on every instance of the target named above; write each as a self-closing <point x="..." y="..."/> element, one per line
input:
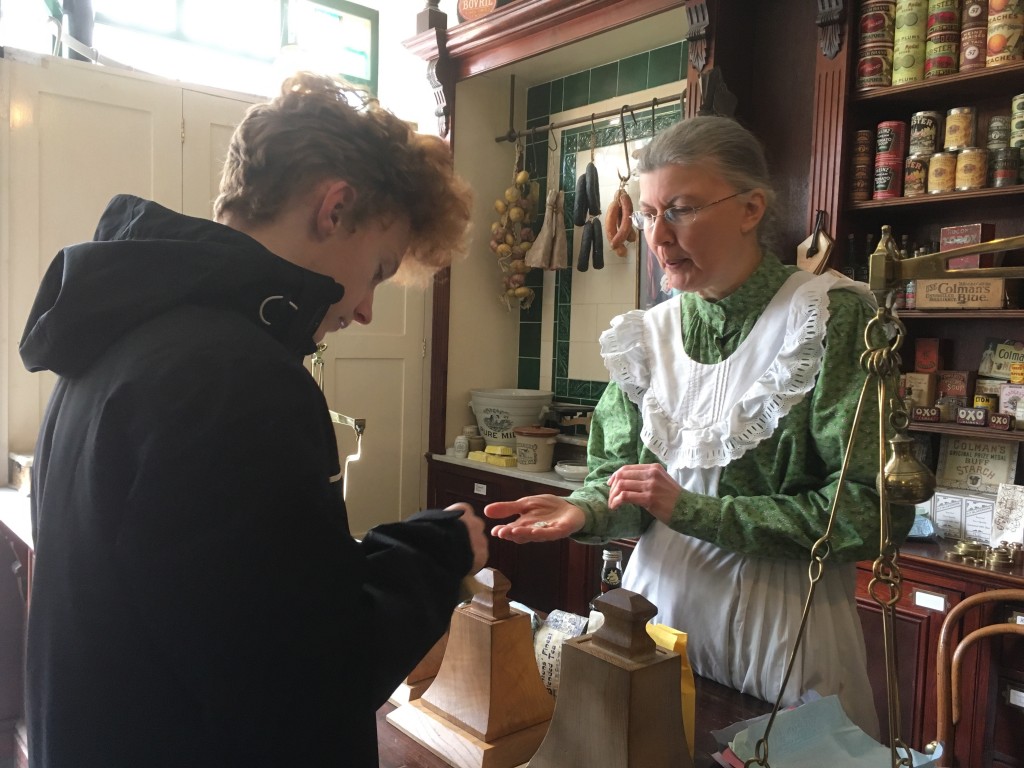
<point x="197" y="597"/>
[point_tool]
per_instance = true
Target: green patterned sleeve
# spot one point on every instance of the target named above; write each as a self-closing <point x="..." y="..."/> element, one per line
<point x="798" y="480"/>
<point x="614" y="442"/>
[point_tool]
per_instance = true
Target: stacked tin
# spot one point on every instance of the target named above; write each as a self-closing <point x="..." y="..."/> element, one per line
<point x="973" y="35"/>
<point x="890" y="151"/>
<point x="942" y="38"/>
<point x="863" y="166"/>
<point x="1004" y="160"/>
<point x="925" y="130"/>
<point x="908" y="42"/>
<point x="1017" y="130"/>
<point x="1005" y="31"/>
<point x="874" y="56"/>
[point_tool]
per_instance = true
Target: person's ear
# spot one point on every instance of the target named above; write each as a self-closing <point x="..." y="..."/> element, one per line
<point x="335" y="197"/>
<point x="753" y="210"/>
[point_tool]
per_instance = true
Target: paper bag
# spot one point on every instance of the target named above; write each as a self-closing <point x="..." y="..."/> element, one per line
<point x="674" y="640"/>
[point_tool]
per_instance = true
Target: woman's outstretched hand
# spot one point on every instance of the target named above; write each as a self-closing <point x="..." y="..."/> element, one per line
<point x="540" y="518"/>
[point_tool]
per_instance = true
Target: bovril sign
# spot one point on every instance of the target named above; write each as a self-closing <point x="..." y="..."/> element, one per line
<point x="967" y="293"/>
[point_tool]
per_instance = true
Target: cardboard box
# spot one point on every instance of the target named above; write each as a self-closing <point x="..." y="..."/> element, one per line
<point x="918" y="389"/>
<point x="955" y="384"/>
<point x="961" y="293"/>
<point x="1009" y="396"/>
<point x="961" y="515"/>
<point x="967" y="234"/>
<point x="987" y="386"/>
<point x="999" y="354"/>
<point x="930" y="355"/>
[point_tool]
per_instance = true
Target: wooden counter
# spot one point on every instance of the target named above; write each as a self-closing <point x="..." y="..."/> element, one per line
<point x="717" y="707"/>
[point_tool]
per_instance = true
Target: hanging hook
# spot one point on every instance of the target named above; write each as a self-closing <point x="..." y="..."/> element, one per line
<point x="593" y="136"/>
<point x="552" y="141"/>
<point x="654" y="105"/>
<point x="623" y="180"/>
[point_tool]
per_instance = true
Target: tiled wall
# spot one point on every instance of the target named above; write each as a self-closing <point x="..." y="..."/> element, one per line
<point x="619" y="78"/>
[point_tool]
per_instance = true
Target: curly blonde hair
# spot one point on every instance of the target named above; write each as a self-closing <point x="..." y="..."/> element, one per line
<point x="311" y="132"/>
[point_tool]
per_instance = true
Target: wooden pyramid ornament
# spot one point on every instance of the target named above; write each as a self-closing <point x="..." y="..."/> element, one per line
<point x="487" y="706"/>
<point x="422" y="675"/>
<point x="618" y="699"/>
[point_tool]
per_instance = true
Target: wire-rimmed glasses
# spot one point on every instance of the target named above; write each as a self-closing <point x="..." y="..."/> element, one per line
<point x="677" y="215"/>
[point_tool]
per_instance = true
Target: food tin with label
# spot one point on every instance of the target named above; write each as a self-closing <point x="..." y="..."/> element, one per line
<point x="998" y="134"/>
<point x="1004" y="166"/>
<point x="941" y="57"/>
<point x="863" y="183"/>
<point x="891" y="139"/>
<point x="874" y="66"/>
<point x="925" y="129"/>
<point x="877" y="22"/>
<point x="888" y="179"/>
<point x="972" y="48"/>
<point x="1017" y="105"/>
<point x="864" y="146"/>
<point x="974" y="14"/>
<point x="941" y="172"/>
<point x="915" y="175"/>
<point x="1005" y="35"/>
<point x="971" y="168"/>
<point x="959" y="128"/>
<point x="991" y="402"/>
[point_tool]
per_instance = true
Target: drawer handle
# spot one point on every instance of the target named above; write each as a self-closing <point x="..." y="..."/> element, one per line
<point x="1014" y="696"/>
<point x="480" y="489"/>
<point x="930" y="600"/>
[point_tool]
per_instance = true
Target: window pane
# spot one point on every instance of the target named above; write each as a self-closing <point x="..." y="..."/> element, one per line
<point x="343" y="40"/>
<point x="246" y="26"/>
<point x="157" y="15"/>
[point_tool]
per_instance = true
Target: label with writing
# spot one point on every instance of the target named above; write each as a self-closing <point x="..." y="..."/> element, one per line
<point x="1001" y="421"/>
<point x="972" y="417"/>
<point x="975" y="464"/>
<point x="965" y="293"/>
<point x="998" y="356"/>
<point x="948" y="515"/>
<point x="925" y="414"/>
<point x="978" y="514"/>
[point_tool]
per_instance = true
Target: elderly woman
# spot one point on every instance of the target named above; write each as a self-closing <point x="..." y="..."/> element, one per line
<point x="720" y="439"/>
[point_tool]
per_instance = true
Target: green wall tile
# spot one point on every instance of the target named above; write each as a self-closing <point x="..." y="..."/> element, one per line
<point x="666" y="65"/>
<point x="577" y="90"/>
<point x="529" y="373"/>
<point x="579" y="388"/>
<point x="603" y="82"/>
<point x="633" y="74"/>
<point x="561" y="387"/>
<point x="538" y="100"/>
<point x="529" y="340"/>
<point x="557" y="88"/>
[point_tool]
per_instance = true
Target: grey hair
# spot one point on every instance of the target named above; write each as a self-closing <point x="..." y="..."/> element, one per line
<point x="735" y="153"/>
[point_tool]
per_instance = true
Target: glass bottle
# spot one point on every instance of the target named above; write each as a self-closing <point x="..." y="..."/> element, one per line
<point x="611" y="572"/>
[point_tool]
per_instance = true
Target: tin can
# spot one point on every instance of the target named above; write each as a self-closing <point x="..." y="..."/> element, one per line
<point x="1017" y="373"/>
<point x="891" y="139"/>
<point x="907" y="61"/>
<point x="998" y="134"/>
<point x="1017" y="105"/>
<point x="915" y="175"/>
<point x="863" y="182"/>
<point x="941" y="172"/>
<point x="874" y="67"/>
<point x="1005" y="37"/>
<point x="971" y="168"/>
<point x="1004" y="166"/>
<point x="888" y="179"/>
<point x="972" y="48"/>
<point x="959" y="128"/>
<point x="974" y="14"/>
<point x="987" y="401"/>
<point x="925" y="128"/>
<point x="943" y="17"/>
<point x="864" y="146"/>
<point x="941" y="57"/>
<point x="877" y="22"/>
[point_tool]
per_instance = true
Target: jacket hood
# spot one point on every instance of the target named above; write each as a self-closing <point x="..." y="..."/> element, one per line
<point x="146" y="260"/>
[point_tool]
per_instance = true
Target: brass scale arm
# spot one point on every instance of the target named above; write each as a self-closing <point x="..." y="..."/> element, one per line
<point x="902" y="479"/>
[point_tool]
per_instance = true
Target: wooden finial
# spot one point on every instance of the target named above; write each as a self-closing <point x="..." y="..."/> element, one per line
<point x="492" y="600"/>
<point x="624" y="631"/>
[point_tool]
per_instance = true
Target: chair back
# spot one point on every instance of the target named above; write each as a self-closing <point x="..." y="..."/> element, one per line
<point x="950" y="659"/>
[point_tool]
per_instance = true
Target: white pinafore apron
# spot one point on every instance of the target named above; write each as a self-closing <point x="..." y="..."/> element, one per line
<point x="741" y="613"/>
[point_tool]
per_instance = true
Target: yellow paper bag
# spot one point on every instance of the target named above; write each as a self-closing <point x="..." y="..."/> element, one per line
<point x="674" y="640"/>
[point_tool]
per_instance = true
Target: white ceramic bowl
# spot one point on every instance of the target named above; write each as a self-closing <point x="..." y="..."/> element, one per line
<point x="572" y="470"/>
